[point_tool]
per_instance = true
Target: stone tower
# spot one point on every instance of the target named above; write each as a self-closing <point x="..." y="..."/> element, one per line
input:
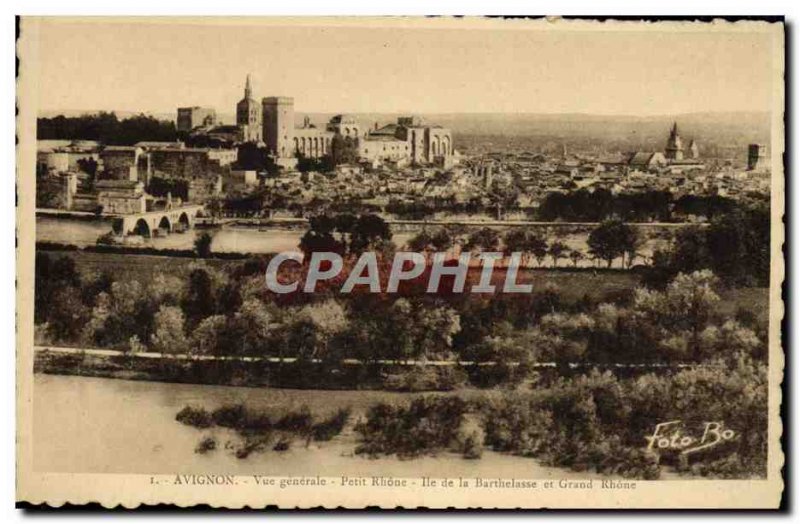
<point x="674" y="149"/>
<point x="756" y="157"/>
<point x="248" y="115"/>
<point x="694" y="151"/>
<point x="279" y="125"/>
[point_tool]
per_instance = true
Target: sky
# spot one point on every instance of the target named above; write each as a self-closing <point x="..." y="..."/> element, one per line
<point x="129" y="65"/>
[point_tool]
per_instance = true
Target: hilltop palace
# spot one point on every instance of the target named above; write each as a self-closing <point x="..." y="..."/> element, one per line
<point x="272" y="123"/>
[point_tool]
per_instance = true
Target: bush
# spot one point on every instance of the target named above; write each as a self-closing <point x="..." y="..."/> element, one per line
<point x="426" y="378"/>
<point x="426" y="425"/>
<point x="196" y="417"/>
<point x="329" y="428"/>
<point x="206" y="445"/>
<point x="469" y="439"/>
<point x="296" y="422"/>
<point x="283" y="444"/>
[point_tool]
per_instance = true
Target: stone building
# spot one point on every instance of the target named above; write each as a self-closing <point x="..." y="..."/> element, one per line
<point x="202" y="189"/>
<point x="121" y="196"/>
<point x="65" y="155"/>
<point x="278" y="129"/>
<point x="191" y="163"/>
<point x="674" y="149"/>
<point x="694" y="151"/>
<point x="310" y="141"/>
<point x="427" y="144"/>
<point x="125" y="163"/>
<point x="757" y="157"/>
<point x="248" y="116"/>
<point x="193" y="117"/>
<point x="646" y="161"/>
<point x="345" y="125"/>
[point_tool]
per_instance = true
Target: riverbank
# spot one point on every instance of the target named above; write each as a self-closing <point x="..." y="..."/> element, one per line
<point x="120" y="426"/>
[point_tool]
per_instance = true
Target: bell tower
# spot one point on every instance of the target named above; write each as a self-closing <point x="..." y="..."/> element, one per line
<point x="248" y="115"/>
<point x="674" y="149"/>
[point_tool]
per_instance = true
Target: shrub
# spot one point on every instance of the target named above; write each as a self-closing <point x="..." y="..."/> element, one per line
<point x="296" y="422"/>
<point x="196" y="417"/>
<point x="426" y="425"/>
<point x="283" y="444"/>
<point x="206" y="445"/>
<point x="469" y="438"/>
<point x="426" y="378"/>
<point x="329" y="428"/>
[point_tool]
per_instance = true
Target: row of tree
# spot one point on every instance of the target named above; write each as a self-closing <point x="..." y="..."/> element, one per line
<point x="607" y="242"/>
<point x="213" y="312"/>
<point x="106" y="128"/>
<point x="646" y="206"/>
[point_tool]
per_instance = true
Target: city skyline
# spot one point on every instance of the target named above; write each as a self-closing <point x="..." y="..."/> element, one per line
<point x="363" y="69"/>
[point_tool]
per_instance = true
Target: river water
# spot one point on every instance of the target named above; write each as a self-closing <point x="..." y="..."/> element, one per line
<point x="245" y="239"/>
<point x="97" y="425"/>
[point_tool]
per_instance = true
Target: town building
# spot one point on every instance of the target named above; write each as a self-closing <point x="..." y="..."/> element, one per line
<point x="310" y="141"/>
<point x="121" y="196"/>
<point x="125" y="163"/>
<point x="757" y="158"/>
<point x="248" y="116"/>
<point x="61" y="156"/>
<point x="190" y="118"/>
<point x="674" y="149"/>
<point x="278" y="129"/>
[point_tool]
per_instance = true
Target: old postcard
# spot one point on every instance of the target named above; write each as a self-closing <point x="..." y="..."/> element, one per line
<point x="400" y="262"/>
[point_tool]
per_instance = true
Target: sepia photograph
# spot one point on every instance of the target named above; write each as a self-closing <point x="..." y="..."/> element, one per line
<point x="400" y="262"/>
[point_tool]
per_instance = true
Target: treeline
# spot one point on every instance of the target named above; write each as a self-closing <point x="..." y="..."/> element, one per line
<point x="646" y="206"/>
<point x="230" y="313"/>
<point x="736" y="246"/>
<point x="594" y="422"/>
<point x="106" y="128"/>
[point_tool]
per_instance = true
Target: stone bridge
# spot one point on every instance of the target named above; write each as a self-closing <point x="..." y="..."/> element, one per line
<point x="153" y="223"/>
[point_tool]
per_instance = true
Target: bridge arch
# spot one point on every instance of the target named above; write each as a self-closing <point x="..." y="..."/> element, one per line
<point x="165" y="223"/>
<point x="142" y="228"/>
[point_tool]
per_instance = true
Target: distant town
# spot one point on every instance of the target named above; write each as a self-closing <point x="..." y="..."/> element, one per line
<point x="266" y="166"/>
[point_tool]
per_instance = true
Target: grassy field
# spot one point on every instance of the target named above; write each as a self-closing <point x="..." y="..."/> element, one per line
<point x="138" y="267"/>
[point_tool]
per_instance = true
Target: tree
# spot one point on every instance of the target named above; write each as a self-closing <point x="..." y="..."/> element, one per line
<point x="88" y="166"/>
<point x="675" y="319"/>
<point x="556" y="251"/>
<point x="610" y="240"/>
<point x="344" y="150"/>
<point x="328" y="320"/>
<point x="538" y="246"/>
<point x="168" y="335"/>
<point x="576" y="256"/>
<point x="67" y="314"/>
<point x="250" y="156"/>
<point x="367" y="231"/>
<point x="421" y="242"/>
<point x="210" y="336"/>
<point x="254" y="321"/>
<point x="199" y="301"/>
<point x="484" y="239"/>
<point x="202" y="245"/>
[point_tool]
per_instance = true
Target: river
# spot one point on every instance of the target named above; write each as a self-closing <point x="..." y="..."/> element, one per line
<point x="97" y="425"/>
<point x="243" y="239"/>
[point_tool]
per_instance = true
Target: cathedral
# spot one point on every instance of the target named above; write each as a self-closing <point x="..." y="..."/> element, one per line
<point x="674" y="150"/>
<point x="248" y="116"/>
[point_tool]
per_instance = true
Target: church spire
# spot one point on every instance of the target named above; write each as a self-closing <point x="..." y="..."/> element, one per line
<point x="248" y="91"/>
